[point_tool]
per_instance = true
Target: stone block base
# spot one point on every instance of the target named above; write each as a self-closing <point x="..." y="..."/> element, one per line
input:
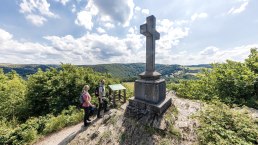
<point x="151" y="91"/>
<point x="138" y="106"/>
<point x="147" y="113"/>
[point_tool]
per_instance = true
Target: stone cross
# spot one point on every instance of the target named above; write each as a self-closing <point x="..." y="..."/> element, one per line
<point x="149" y="30"/>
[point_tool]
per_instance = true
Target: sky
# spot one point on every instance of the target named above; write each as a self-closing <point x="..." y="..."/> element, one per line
<point x="84" y="32"/>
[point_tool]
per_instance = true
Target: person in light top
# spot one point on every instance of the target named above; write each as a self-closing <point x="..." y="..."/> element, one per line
<point x="86" y="104"/>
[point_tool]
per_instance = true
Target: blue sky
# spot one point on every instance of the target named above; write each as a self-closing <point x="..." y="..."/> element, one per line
<point x="107" y="31"/>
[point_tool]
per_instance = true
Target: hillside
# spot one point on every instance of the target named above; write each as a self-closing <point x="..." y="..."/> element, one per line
<point x="123" y="71"/>
<point x="26" y="69"/>
<point x="131" y="71"/>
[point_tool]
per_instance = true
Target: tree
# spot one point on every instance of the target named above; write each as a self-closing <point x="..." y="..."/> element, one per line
<point x="12" y="95"/>
<point x="252" y="60"/>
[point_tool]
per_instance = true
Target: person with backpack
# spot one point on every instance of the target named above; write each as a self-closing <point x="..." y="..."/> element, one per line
<point x="101" y="97"/>
<point x="86" y="104"/>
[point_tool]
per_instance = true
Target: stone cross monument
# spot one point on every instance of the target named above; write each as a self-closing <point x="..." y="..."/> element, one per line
<point x="151" y="34"/>
<point x="150" y="89"/>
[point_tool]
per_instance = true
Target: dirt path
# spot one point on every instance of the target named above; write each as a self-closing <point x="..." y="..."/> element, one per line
<point x="64" y="136"/>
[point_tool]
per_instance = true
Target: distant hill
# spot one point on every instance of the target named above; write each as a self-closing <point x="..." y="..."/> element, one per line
<point x="25" y="69"/>
<point x="131" y="71"/>
<point x="125" y="72"/>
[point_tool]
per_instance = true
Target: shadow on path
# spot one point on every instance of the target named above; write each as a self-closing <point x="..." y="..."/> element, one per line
<point x="72" y="135"/>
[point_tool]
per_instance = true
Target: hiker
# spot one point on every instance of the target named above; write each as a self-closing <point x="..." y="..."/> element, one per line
<point x="86" y="104"/>
<point x="102" y="98"/>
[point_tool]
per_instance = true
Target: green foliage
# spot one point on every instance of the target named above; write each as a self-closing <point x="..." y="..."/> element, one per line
<point x="34" y="128"/>
<point x="130" y="72"/>
<point x="252" y="60"/>
<point x="46" y="96"/>
<point x="219" y="124"/>
<point x="53" y="90"/>
<point x="12" y="95"/>
<point x="129" y="89"/>
<point x="232" y="82"/>
<point x="25" y="69"/>
<point x="67" y="118"/>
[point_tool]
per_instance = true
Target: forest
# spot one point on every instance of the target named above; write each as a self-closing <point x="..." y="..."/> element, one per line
<point x="47" y="101"/>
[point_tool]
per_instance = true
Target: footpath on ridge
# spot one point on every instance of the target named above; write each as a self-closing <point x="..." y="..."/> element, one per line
<point x="111" y="129"/>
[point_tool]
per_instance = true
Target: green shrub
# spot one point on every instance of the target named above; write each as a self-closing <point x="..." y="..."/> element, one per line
<point x="219" y="124"/>
<point x="231" y="82"/>
<point x="66" y="118"/>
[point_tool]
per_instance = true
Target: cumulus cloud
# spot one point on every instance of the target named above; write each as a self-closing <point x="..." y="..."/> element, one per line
<point x="63" y="1"/>
<point x="73" y="8"/>
<point x="117" y="10"/>
<point x="25" y="52"/>
<point x="84" y="17"/>
<point x="239" y="9"/>
<point x="145" y="11"/>
<point x="105" y="12"/>
<point x="100" y="30"/>
<point x="199" y="16"/>
<point x="170" y="34"/>
<point x="137" y="8"/>
<point x="4" y="35"/>
<point x="108" y="25"/>
<point x="36" y="11"/>
<point x="210" y="54"/>
<point x="92" y="49"/>
<point x="36" y="19"/>
<point x="211" y="50"/>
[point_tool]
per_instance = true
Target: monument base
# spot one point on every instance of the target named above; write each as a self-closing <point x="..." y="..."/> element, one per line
<point x="151" y="91"/>
<point x="137" y="106"/>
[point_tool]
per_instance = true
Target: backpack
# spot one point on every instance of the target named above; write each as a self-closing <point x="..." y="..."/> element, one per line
<point x="81" y="98"/>
<point x="96" y="92"/>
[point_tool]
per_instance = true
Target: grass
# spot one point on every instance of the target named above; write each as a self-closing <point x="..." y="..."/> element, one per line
<point x="129" y="89"/>
<point x="105" y="138"/>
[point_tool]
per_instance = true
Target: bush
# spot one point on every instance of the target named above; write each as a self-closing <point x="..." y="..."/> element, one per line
<point x="34" y="128"/>
<point x="231" y="82"/>
<point x="66" y="118"/>
<point x="219" y="124"/>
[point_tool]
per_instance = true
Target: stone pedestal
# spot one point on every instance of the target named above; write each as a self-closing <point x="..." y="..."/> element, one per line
<point x="150" y="97"/>
<point x="137" y="106"/>
<point x="151" y="91"/>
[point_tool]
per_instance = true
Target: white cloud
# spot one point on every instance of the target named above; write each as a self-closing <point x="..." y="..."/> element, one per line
<point x="101" y="30"/>
<point x="211" y="54"/>
<point x="145" y="11"/>
<point x="13" y="51"/>
<point x="73" y="8"/>
<point x="137" y="8"/>
<point x="36" y="11"/>
<point x="91" y="49"/>
<point x="199" y="16"/>
<point x="4" y="35"/>
<point x="63" y="1"/>
<point x="84" y="17"/>
<point x="170" y="35"/>
<point x="108" y="25"/>
<point x="209" y="50"/>
<point x="106" y="12"/>
<point x="36" y="19"/>
<point x="238" y="10"/>
<point x="116" y="10"/>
